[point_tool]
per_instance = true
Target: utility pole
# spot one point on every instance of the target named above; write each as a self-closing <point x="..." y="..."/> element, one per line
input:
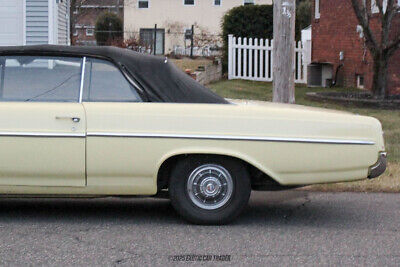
<point x="284" y="45"/>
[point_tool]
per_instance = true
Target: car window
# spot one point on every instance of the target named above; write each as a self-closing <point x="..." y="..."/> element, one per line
<point x="40" y="78"/>
<point x="104" y="82"/>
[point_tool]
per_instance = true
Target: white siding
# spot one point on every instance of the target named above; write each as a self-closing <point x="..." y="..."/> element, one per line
<point x="11" y="22"/>
<point x="37" y="22"/>
<point x="63" y="23"/>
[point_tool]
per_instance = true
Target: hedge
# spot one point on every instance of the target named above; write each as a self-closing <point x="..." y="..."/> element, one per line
<point x="254" y="21"/>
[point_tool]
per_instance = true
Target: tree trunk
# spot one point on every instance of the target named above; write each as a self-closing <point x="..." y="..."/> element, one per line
<point x="379" y="83"/>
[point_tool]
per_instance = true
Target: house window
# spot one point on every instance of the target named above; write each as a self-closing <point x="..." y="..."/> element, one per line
<point x="76" y="33"/>
<point x="317" y="9"/>
<point x="360" y="81"/>
<point x="188" y="2"/>
<point x="218" y="2"/>
<point x="248" y="2"/>
<point x="89" y="32"/>
<point x="143" y="3"/>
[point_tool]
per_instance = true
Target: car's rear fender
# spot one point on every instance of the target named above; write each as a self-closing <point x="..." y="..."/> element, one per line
<point x="188" y="151"/>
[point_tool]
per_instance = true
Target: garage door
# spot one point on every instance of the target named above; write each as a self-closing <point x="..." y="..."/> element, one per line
<point x="11" y="22"/>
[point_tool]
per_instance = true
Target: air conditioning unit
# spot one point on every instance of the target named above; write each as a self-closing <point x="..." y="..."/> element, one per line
<point x="319" y="74"/>
<point x="314" y="75"/>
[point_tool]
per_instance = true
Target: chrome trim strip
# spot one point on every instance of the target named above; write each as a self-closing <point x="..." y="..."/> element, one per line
<point x="191" y="136"/>
<point x="82" y="79"/>
<point x="234" y="138"/>
<point x="41" y="134"/>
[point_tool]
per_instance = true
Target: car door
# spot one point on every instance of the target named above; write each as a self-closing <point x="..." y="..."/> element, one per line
<point x="42" y="122"/>
<point x="110" y="102"/>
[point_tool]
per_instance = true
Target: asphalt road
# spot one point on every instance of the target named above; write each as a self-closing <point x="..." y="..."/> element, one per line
<point x="282" y="228"/>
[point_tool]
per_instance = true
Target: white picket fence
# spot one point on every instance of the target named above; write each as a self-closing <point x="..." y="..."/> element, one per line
<point x="251" y="59"/>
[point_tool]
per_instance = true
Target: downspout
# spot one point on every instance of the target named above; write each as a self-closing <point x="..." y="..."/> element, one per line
<point x="334" y="82"/>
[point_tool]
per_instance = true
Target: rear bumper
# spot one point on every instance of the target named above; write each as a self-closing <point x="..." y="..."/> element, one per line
<point x="379" y="167"/>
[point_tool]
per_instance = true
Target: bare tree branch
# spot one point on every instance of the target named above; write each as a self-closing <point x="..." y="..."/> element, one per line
<point x="393" y="46"/>
<point x="363" y="19"/>
<point x="380" y="7"/>
<point x="392" y="10"/>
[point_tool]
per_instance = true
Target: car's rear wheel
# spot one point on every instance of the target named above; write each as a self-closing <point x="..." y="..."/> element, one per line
<point x="209" y="189"/>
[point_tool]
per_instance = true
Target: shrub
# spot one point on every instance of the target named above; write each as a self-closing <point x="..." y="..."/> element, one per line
<point x="254" y="21"/>
<point x="108" y="29"/>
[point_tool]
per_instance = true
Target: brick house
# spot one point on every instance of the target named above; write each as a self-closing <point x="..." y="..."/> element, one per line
<point x="338" y="46"/>
<point x="84" y="16"/>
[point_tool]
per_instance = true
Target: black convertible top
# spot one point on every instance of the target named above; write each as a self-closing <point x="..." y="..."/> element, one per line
<point x="160" y="79"/>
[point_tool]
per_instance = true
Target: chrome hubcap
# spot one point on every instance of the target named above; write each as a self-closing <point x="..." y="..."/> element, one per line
<point x="210" y="186"/>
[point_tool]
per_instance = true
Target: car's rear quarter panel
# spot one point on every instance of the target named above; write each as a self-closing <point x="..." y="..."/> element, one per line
<point x="134" y="161"/>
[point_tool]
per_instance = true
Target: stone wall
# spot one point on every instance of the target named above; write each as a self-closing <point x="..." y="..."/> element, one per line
<point x="211" y="73"/>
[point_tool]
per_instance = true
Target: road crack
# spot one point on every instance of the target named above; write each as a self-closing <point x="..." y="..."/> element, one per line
<point x="296" y="208"/>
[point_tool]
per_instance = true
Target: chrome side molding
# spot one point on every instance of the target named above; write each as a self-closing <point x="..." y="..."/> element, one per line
<point x="233" y="138"/>
<point x="193" y="136"/>
<point x="41" y="134"/>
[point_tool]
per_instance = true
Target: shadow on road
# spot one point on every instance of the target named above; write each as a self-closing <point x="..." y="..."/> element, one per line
<point x="265" y="208"/>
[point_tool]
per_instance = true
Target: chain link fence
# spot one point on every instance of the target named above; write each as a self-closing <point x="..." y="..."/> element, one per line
<point x="159" y="42"/>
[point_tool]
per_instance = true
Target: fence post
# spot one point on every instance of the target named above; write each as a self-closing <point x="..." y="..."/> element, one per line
<point x="155" y="39"/>
<point x="245" y="69"/>
<point x="256" y="63"/>
<point x="262" y="57"/>
<point x="253" y="59"/>
<point x="250" y="64"/>
<point x="299" y="54"/>
<point x="230" y="58"/>
<point x="191" y="42"/>
<point x="234" y="63"/>
<point x="268" y="61"/>
<point x="239" y="68"/>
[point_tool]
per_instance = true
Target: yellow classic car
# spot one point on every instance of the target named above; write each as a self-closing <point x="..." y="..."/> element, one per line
<point x="102" y="121"/>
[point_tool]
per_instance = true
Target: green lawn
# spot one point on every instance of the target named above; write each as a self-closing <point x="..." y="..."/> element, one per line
<point x="390" y="119"/>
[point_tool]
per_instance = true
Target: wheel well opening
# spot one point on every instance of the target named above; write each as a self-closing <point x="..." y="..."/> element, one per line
<point x="259" y="179"/>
